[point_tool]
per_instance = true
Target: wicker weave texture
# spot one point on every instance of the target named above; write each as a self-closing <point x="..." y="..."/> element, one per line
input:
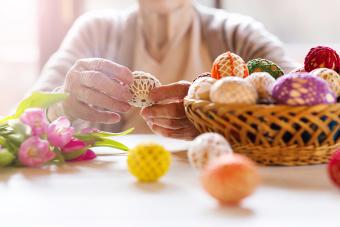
<point x="272" y="134"/>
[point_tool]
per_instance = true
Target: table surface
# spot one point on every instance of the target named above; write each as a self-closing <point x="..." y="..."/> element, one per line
<point x="103" y="193"/>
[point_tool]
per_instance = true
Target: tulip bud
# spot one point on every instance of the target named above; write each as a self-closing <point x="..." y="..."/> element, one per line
<point x="6" y="158"/>
<point x="20" y="128"/>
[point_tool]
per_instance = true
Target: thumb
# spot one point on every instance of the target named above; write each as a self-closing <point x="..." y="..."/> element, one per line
<point x="176" y="91"/>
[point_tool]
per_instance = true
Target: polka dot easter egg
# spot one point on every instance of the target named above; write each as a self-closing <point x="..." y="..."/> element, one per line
<point x="322" y="57"/>
<point x="148" y="161"/>
<point x="264" y="65"/>
<point x="206" y="148"/>
<point x="302" y="90"/>
<point x="200" y="89"/>
<point x="142" y="84"/>
<point x="233" y="90"/>
<point x="229" y="64"/>
<point x="263" y="83"/>
<point x="331" y="77"/>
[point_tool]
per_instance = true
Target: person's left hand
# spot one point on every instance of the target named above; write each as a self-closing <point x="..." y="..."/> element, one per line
<point x="167" y="117"/>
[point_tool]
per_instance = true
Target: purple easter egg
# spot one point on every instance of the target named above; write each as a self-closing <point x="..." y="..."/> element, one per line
<point x="302" y="89"/>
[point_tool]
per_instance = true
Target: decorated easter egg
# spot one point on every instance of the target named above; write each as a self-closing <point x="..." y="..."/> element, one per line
<point x="229" y="64"/>
<point x="232" y="90"/>
<point x="230" y="178"/>
<point x="322" y="57"/>
<point x="206" y="148"/>
<point x="200" y="89"/>
<point x="334" y="168"/>
<point x="300" y="69"/>
<point x="263" y="83"/>
<point x="142" y="84"/>
<point x="302" y="90"/>
<point x="264" y="65"/>
<point x="331" y="77"/>
<point x="205" y="74"/>
<point x="148" y="161"/>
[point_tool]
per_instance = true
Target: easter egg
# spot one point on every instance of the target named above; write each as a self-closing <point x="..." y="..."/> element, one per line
<point x="232" y="90"/>
<point x="331" y="77"/>
<point x="206" y="148"/>
<point x="302" y="90"/>
<point x="230" y="178"/>
<point x="229" y="64"/>
<point x="200" y="89"/>
<point x="264" y="65"/>
<point x="300" y="69"/>
<point x="205" y="74"/>
<point x="142" y="84"/>
<point x="263" y="83"/>
<point x="148" y="161"/>
<point x="322" y="57"/>
<point x="334" y="168"/>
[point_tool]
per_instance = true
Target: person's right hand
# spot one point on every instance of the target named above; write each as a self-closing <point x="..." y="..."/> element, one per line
<point x="98" y="90"/>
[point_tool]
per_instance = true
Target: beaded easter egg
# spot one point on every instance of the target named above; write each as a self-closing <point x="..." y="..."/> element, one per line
<point x="232" y="90"/>
<point x="230" y="178"/>
<point x="142" y="84"/>
<point x="263" y="83"/>
<point x="322" y="57"/>
<point x="331" y="77"/>
<point x="334" y="168"/>
<point x="205" y="74"/>
<point x="200" y="89"/>
<point x="302" y="90"/>
<point x="229" y="64"/>
<point x="206" y="148"/>
<point x="264" y="65"/>
<point x="148" y="161"/>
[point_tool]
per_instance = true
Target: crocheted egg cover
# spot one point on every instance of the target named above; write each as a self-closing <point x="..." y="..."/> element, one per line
<point x="229" y="64"/>
<point x="140" y="88"/>
<point x="264" y="65"/>
<point x="205" y="74"/>
<point x="331" y="77"/>
<point x="322" y="57"/>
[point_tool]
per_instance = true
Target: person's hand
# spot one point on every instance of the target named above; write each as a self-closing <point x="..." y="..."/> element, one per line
<point x="98" y="90"/>
<point x="167" y="117"/>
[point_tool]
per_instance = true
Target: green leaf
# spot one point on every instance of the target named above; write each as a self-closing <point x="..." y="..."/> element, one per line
<point x="105" y="142"/>
<point x="108" y="134"/>
<point x="36" y="100"/>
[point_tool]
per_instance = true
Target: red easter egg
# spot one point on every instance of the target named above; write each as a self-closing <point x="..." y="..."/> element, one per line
<point x="334" y="168"/>
<point x="322" y="57"/>
<point x="230" y="178"/>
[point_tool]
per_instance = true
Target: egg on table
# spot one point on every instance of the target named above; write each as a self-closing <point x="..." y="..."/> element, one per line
<point x="233" y="90"/>
<point x="200" y="88"/>
<point x="302" y="89"/>
<point x="263" y="83"/>
<point x="331" y="77"/>
<point x="229" y="64"/>
<point x="264" y="65"/>
<point x="206" y="148"/>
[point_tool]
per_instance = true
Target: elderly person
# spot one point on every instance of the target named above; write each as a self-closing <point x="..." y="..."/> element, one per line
<point x="171" y="39"/>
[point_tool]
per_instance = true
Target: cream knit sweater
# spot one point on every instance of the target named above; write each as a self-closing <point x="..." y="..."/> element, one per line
<point x="118" y="36"/>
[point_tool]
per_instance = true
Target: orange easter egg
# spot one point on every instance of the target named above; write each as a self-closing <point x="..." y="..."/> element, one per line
<point x="229" y="64"/>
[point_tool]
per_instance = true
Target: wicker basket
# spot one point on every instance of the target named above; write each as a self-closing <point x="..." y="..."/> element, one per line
<point x="272" y="134"/>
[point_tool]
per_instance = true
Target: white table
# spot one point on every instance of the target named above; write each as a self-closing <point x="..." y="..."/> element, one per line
<point x="102" y="193"/>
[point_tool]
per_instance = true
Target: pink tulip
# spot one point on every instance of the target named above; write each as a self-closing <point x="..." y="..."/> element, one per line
<point x="35" y="152"/>
<point x="36" y="119"/>
<point x="60" y="132"/>
<point x="73" y="145"/>
<point x="87" y="156"/>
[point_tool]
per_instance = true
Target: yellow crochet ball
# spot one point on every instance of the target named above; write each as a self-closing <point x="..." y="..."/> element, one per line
<point x="148" y="161"/>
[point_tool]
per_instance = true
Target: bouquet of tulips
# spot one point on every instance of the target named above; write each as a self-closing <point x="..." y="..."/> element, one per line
<point x="28" y="139"/>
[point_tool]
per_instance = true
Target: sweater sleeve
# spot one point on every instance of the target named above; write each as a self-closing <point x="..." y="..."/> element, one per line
<point x="249" y="39"/>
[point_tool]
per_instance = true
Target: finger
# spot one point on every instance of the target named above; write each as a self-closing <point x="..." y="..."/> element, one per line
<point x="87" y="113"/>
<point x="184" y="134"/>
<point x="110" y="68"/>
<point x="172" y="91"/>
<point x="172" y="111"/>
<point x="100" y="82"/>
<point x="92" y="97"/>
<point x="171" y="123"/>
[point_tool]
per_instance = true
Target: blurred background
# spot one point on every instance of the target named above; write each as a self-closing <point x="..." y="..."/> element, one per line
<point x="31" y="30"/>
